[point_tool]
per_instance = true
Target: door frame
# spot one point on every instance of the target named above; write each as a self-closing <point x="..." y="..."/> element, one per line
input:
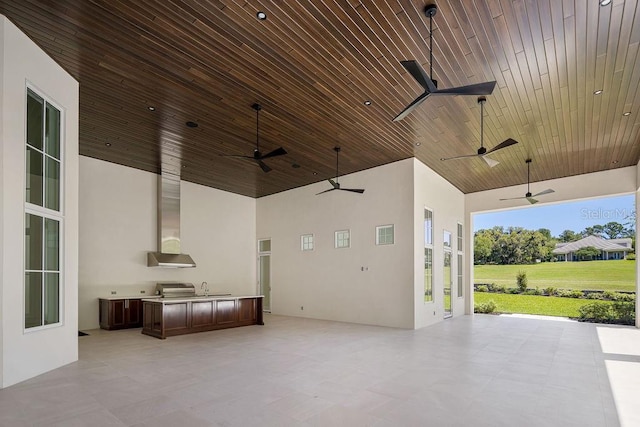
<point x="261" y="254"/>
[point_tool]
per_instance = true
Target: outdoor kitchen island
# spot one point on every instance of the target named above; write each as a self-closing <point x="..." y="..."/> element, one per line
<point x="165" y="317"/>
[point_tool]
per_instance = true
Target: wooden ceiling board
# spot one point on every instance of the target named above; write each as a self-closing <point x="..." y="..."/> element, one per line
<point x="313" y="63"/>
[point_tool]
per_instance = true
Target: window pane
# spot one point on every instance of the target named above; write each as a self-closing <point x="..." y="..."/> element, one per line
<point x="264" y="245"/>
<point x="51" y="298"/>
<point x="52" y="181"/>
<point x="428" y="274"/>
<point x="52" y="250"/>
<point x="34" y="176"/>
<point x="460" y="284"/>
<point x="428" y="227"/>
<point x="33" y="300"/>
<point x="33" y="242"/>
<point x="53" y="132"/>
<point x="35" y="107"/>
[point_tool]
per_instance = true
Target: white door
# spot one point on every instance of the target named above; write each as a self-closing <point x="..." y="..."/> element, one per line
<point x="264" y="273"/>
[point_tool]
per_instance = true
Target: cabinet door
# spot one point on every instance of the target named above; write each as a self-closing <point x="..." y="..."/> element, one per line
<point x="134" y="313"/>
<point x="117" y="318"/>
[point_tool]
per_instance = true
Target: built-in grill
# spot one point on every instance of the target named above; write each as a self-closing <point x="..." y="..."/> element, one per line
<point x="175" y="290"/>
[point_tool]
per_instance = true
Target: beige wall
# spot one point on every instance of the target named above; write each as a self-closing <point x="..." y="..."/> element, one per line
<point x="118" y="226"/>
<point x="25" y="354"/>
<point x="447" y="203"/>
<point x="364" y="283"/>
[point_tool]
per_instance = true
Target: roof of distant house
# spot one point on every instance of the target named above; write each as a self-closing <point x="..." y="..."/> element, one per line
<point x="596" y="242"/>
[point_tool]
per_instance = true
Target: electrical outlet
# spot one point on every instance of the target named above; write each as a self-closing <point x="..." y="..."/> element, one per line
<point x="113" y="292"/>
<point x="143" y="292"/>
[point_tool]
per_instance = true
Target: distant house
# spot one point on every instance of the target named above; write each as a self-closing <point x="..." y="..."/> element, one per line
<point x="609" y="249"/>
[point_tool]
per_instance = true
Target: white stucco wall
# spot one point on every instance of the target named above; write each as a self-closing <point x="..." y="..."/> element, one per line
<point x="599" y="184"/>
<point x="365" y="283"/>
<point x="118" y="226"/>
<point x="447" y="203"/>
<point x="25" y="354"/>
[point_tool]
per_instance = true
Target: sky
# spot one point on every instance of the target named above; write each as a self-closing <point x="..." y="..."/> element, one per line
<point x="574" y="216"/>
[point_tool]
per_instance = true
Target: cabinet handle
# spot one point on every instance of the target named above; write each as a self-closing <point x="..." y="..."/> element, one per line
<point x="126" y="303"/>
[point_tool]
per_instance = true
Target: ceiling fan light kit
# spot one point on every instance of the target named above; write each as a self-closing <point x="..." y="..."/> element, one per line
<point x="334" y="183"/>
<point x="430" y="85"/>
<point x="258" y="157"/>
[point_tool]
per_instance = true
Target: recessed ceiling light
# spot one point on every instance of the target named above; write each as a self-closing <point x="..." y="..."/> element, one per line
<point x="295" y="165"/>
<point x="315" y="173"/>
<point x="151" y="108"/>
<point x="626" y="113"/>
<point x="418" y="144"/>
<point x="597" y="92"/>
<point x="184" y="166"/>
<point x="367" y="102"/>
<point x="107" y="144"/>
<point x="605" y="2"/>
<point x="261" y="15"/>
<point x="615" y="162"/>
<point x="192" y="124"/>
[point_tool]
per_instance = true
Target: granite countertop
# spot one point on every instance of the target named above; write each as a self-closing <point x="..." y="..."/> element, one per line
<point x="201" y="298"/>
<point x="139" y="296"/>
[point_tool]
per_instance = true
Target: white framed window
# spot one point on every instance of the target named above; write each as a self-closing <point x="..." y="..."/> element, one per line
<point x="384" y="235"/>
<point x="43" y="216"/>
<point x="446" y="239"/>
<point x="460" y="238"/>
<point x="428" y="255"/>
<point x="306" y="242"/>
<point x="460" y="284"/>
<point x="342" y="239"/>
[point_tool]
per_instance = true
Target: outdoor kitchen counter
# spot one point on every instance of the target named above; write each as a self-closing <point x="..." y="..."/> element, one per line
<point x="165" y="317"/>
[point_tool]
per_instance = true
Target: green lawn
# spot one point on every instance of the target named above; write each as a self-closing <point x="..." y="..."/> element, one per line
<point x="533" y="304"/>
<point x="615" y="275"/>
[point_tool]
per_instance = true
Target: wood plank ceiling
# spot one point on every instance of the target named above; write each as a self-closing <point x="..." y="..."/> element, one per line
<point x="312" y="64"/>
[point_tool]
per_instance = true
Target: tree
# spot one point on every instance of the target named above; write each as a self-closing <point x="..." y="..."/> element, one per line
<point x="614" y="230"/>
<point x="587" y="253"/>
<point x="596" y="230"/>
<point x="545" y="232"/>
<point x="569" y="236"/>
<point x="482" y="247"/>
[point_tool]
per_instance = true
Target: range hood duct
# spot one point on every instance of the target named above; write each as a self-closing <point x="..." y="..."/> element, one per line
<point x="168" y="254"/>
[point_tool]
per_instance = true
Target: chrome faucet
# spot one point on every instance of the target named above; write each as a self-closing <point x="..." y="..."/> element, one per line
<point x="205" y="286"/>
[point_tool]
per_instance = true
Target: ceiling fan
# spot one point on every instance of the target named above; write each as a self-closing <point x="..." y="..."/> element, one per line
<point x="258" y="157"/>
<point x="529" y="196"/>
<point x="482" y="152"/>
<point x="336" y="184"/>
<point x="431" y="86"/>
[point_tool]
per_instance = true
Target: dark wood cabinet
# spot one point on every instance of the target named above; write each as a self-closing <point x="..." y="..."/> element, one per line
<point x="120" y="313"/>
<point x="164" y="319"/>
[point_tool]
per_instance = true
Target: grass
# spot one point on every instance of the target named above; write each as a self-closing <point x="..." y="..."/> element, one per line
<point x="614" y="275"/>
<point x="533" y="304"/>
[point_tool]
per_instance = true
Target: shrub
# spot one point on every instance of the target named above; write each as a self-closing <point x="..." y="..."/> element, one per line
<point x="485" y="307"/>
<point x="594" y="295"/>
<point x="522" y="281"/>
<point x="631" y="257"/>
<point x="482" y="288"/>
<point x="497" y="288"/>
<point x="551" y="291"/>
<point x="564" y="293"/>
<point x="576" y="293"/>
<point x="535" y="291"/>
<point x="513" y="291"/>
<point x="610" y="295"/>
<point x="624" y="297"/>
<point x="621" y="312"/>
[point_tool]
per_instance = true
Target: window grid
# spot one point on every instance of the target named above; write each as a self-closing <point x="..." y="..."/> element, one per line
<point x="460" y="277"/>
<point x="385" y="235"/>
<point x="460" y="284"/>
<point x="43" y="217"/>
<point x="428" y="255"/>
<point x="306" y="242"/>
<point x="342" y="239"/>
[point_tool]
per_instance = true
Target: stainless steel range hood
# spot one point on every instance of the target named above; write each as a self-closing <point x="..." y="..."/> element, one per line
<point x="168" y="254"/>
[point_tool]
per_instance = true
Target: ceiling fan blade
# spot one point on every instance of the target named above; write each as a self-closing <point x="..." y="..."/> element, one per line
<point x="466" y="156"/>
<point x="490" y="162"/>
<point x="404" y="113"/>
<point x="277" y="152"/>
<point x="326" y="191"/>
<point x="236" y="155"/>
<point x="333" y="183"/>
<point x="263" y="166"/>
<point x="547" y="191"/>
<point x="504" y="144"/>
<point x="513" y="198"/>
<point x="485" y="88"/>
<point x="531" y="200"/>
<point x="353" y="190"/>
<point x="417" y="72"/>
